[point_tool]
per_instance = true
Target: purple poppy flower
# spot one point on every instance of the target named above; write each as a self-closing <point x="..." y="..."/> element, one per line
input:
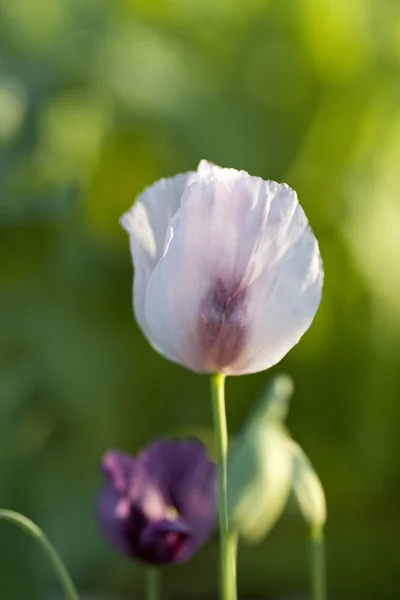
<point x="160" y="506"/>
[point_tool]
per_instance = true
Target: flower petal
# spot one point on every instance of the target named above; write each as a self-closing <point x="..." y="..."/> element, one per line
<point x="207" y="171"/>
<point x="285" y="296"/>
<point x="166" y="541"/>
<point x="187" y="480"/>
<point x="109" y="520"/>
<point x="240" y="279"/>
<point x="147" y="223"/>
<point x="118" y="468"/>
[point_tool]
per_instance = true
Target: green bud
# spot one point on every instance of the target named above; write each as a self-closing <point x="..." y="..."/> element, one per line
<point x="260" y="467"/>
<point x="273" y="404"/>
<point x="307" y="488"/>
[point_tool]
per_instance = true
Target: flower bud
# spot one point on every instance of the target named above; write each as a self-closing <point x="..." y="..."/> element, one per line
<point x="260" y="467"/>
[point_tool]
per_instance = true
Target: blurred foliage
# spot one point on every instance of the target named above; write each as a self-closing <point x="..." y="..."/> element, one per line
<point x="98" y="99"/>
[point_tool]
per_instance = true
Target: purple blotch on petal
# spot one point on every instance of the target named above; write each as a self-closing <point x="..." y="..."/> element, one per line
<point x="221" y="326"/>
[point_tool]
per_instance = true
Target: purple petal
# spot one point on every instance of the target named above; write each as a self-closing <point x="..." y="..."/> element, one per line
<point x="111" y="525"/>
<point x="118" y="468"/>
<point x="187" y="480"/>
<point x="165" y="541"/>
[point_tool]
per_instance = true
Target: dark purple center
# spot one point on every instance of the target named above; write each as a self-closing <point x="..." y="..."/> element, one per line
<point x="221" y="326"/>
<point x="157" y="542"/>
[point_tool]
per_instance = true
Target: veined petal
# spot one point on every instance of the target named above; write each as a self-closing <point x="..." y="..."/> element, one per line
<point x="147" y="223"/>
<point x="284" y="297"/>
<point x="207" y="171"/>
<point x="240" y="279"/>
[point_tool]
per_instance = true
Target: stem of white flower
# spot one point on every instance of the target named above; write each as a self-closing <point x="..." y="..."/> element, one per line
<point x="228" y="540"/>
<point x="34" y="531"/>
<point x="318" y="570"/>
<point x="153" y="584"/>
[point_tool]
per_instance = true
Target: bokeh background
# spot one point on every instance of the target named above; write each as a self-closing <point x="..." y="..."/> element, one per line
<point x="98" y="99"/>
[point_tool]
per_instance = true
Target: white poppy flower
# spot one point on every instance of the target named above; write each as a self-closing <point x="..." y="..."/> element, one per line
<point x="228" y="274"/>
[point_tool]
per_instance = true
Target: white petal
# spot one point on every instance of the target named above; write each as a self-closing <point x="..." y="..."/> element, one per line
<point x="242" y="267"/>
<point x="208" y="171"/>
<point x="147" y="223"/>
<point x="285" y="296"/>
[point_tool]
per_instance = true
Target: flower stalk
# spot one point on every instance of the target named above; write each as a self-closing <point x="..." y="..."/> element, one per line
<point x="228" y="540"/>
<point x="153" y="584"/>
<point x="34" y="531"/>
<point x="318" y="569"/>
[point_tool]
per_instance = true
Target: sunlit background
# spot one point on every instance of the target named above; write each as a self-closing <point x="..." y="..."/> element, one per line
<point x="99" y="99"/>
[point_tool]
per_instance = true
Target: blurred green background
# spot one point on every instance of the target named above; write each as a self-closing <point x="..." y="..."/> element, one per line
<point x="98" y="99"/>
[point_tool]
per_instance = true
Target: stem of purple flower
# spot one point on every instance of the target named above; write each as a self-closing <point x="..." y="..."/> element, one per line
<point x="153" y="584"/>
<point x="318" y="574"/>
<point x="34" y="531"/>
<point x="227" y="539"/>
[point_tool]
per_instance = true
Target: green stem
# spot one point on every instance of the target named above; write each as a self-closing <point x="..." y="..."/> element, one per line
<point x="232" y="545"/>
<point x="153" y="584"/>
<point x="228" y="541"/>
<point x="33" y="530"/>
<point x="318" y="575"/>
